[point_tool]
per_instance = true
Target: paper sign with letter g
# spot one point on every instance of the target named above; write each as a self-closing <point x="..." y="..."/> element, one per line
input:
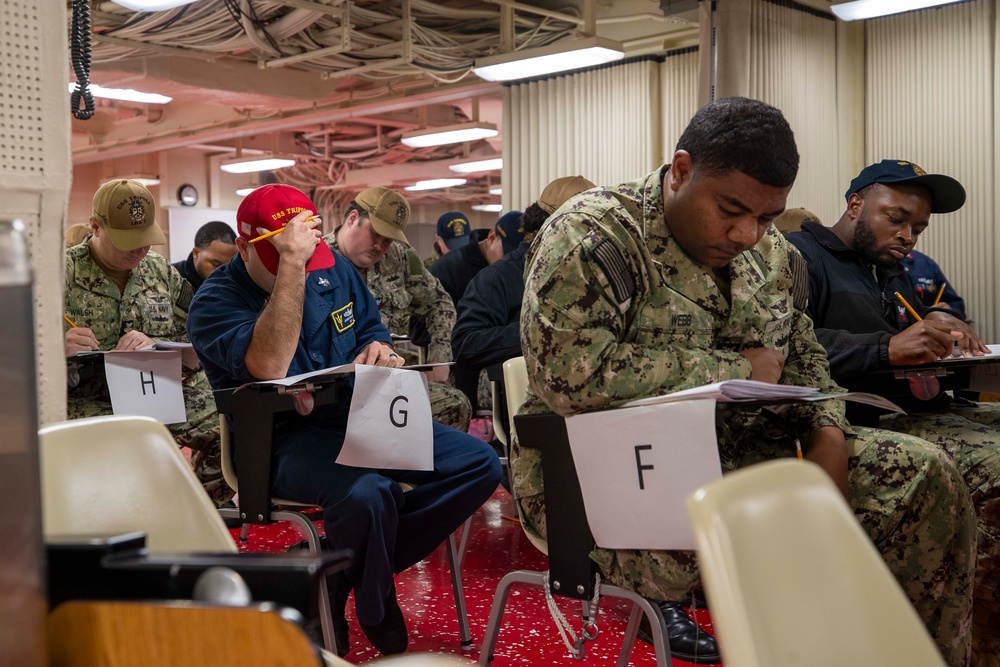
<point x="389" y="425"/>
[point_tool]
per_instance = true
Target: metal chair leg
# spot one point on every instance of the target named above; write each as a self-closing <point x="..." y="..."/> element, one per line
<point x="312" y="537"/>
<point x="466" y="532"/>
<point x="655" y="617"/>
<point x="499" y="604"/>
<point x="464" y="636"/>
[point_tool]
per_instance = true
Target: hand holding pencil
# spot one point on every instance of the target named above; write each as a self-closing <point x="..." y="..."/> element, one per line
<point x="79" y="339"/>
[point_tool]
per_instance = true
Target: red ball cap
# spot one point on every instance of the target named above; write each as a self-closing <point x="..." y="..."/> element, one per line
<point x="271" y="207"/>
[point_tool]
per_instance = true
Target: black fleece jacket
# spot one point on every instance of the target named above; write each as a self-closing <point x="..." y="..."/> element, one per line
<point x="854" y="309"/>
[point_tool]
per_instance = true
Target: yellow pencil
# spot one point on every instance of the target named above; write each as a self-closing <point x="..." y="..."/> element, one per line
<point x="69" y="321"/>
<point x="940" y="293"/>
<point x="908" y="307"/>
<point x="798" y="449"/>
<point x="276" y="231"/>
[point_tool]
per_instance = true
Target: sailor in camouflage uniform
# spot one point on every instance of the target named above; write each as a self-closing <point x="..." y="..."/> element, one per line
<point x="401" y="285"/>
<point x="120" y="297"/>
<point x="678" y="280"/>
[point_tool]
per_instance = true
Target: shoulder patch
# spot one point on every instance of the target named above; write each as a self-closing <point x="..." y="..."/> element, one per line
<point x="187" y="293"/>
<point x="800" y="278"/>
<point x="416" y="265"/>
<point x="611" y="261"/>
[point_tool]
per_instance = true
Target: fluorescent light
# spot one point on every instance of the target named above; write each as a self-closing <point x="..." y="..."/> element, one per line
<point x="147" y="180"/>
<point x="435" y="183"/>
<point x="151" y="5"/>
<point x="496" y="191"/>
<point x="252" y="163"/>
<point x="867" y="9"/>
<point x="244" y="190"/>
<point x="490" y="164"/>
<point x="124" y="94"/>
<point x="449" y="134"/>
<point x="568" y="54"/>
<point x="489" y="208"/>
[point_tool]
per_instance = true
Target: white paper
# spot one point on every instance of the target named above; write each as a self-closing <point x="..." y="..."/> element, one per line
<point x="189" y="358"/>
<point x="637" y="465"/>
<point x="389" y="425"/>
<point x="736" y="391"/>
<point x="146" y="382"/>
<point x="730" y="391"/>
<point x="345" y="369"/>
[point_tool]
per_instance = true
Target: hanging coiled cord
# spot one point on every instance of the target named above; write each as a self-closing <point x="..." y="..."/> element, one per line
<point x="80" y="54"/>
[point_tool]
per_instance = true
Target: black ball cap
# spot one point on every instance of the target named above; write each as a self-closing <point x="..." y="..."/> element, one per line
<point x="947" y="194"/>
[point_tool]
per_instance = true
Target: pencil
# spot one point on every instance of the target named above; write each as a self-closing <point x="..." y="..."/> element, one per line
<point x="940" y="293"/>
<point x="69" y="321"/>
<point x="798" y="449"/>
<point x="276" y="231"/>
<point x="908" y="307"/>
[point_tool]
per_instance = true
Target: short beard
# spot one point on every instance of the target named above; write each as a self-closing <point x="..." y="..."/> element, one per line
<point x="866" y="244"/>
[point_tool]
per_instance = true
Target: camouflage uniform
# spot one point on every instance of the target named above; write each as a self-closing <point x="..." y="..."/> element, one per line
<point x="401" y="285"/>
<point x="155" y="302"/>
<point x="435" y="256"/>
<point x="615" y="310"/>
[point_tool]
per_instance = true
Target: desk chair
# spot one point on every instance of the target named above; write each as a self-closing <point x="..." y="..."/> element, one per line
<point x="571" y="572"/>
<point x="794" y="580"/>
<point x="117" y="474"/>
<point x="288" y="510"/>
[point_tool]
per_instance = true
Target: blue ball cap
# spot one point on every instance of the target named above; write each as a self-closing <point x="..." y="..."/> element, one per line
<point x="510" y="230"/>
<point x="947" y="194"/>
<point x="454" y="228"/>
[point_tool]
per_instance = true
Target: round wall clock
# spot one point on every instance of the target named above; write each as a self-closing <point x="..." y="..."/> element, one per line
<point x="187" y="195"/>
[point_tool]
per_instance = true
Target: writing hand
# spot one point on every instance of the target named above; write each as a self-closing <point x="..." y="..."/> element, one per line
<point x="924" y="342"/>
<point x="80" y="339"/>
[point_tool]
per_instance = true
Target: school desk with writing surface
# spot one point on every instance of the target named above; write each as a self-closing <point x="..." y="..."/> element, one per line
<point x="911" y="385"/>
<point x="252" y="409"/>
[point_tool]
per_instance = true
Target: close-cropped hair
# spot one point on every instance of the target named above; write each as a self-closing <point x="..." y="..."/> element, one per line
<point x="532" y="219"/>
<point x="740" y="134"/>
<point x="355" y="206"/>
<point x="214" y="231"/>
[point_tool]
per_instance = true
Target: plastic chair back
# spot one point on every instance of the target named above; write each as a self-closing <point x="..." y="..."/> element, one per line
<point x="118" y="474"/>
<point x="515" y="380"/>
<point x="792" y="579"/>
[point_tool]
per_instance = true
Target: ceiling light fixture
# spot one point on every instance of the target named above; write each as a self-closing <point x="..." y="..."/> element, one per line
<point x="489" y="164"/>
<point x="151" y="5"/>
<point x="868" y="9"/>
<point x="496" y="191"/>
<point x="449" y="134"/>
<point x="489" y="208"/>
<point x="124" y="94"/>
<point x="435" y="184"/>
<point x="252" y="163"/>
<point x="561" y="56"/>
<point x="244" y="190"/>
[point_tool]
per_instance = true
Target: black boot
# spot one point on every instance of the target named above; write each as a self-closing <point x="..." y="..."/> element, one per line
<point x="389" y="636"/>
<point x="687" y="640"/>
<point x="339" y="589"/>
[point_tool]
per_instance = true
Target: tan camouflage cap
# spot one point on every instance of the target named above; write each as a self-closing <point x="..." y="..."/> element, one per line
<point x="558" y="191"/>
<point x="388" y="210"/>
<point x="127" y="212"/>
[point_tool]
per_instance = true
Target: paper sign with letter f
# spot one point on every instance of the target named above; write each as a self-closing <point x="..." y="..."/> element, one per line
<point x="389" y="425"/>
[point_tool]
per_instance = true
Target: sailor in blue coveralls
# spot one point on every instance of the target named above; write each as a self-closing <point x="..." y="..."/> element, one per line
<point x="287" y="305"/>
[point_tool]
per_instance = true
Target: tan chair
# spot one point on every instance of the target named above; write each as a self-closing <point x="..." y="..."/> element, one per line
<point x="792" y="579"/>
<point x="571" y="572"/>
<point x="288" y="510"/>
<point x="112" y="475"/>
<point x="167" y="634"/>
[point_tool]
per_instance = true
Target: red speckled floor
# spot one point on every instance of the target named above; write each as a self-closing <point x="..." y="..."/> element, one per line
<point x="496" y="546"/>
